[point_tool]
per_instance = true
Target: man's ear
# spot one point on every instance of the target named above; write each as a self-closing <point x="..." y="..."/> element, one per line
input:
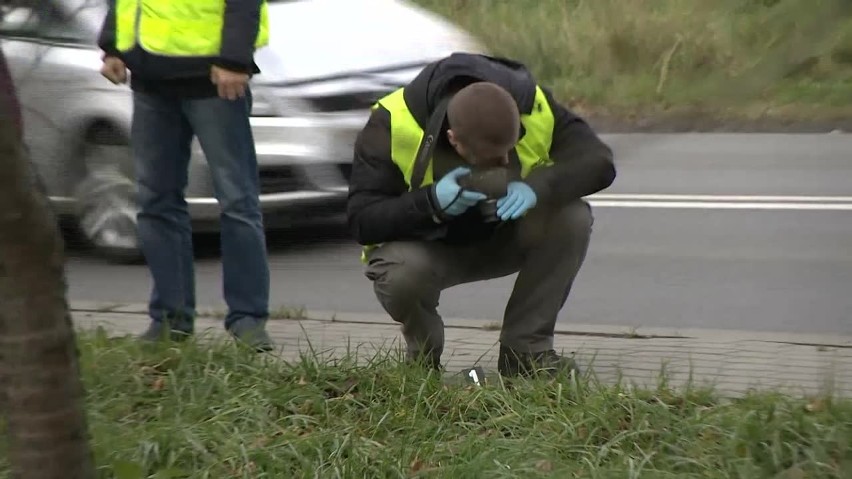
<point x="451" y="136"/>
<point x="454" y="142"/>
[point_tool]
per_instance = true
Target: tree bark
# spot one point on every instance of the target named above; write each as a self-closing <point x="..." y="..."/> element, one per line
<point x="42" y="393"/>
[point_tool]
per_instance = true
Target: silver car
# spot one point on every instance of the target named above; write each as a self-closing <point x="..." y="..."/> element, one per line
<point x="327" y="62"/>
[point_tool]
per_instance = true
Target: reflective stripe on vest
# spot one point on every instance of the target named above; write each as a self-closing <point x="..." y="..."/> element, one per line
<point x="533" y="149"/>
<point x="190" y="28"/>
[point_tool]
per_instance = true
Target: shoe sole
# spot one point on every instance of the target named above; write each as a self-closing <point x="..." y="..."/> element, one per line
<point x="262" y="346"/>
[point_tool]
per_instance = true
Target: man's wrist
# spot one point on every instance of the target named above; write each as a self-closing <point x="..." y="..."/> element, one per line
<point x="110" y="54"/>
<point x="232" y="65"/>
<point x="438" y="216"/>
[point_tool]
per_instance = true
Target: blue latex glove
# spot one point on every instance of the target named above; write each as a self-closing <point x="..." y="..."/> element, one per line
<point x="519" y="199"/>
<point x="452" y="198"/>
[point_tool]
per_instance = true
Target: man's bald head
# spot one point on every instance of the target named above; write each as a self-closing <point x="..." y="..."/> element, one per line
<point x="484" y="123"/>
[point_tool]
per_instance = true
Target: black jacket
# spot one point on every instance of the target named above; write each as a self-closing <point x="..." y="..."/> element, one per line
<point x="381" y="208"/>
<point x="190" y="76"/>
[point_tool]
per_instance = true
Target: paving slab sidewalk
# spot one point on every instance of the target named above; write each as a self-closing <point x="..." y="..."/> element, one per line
<point x="734" y="362"/>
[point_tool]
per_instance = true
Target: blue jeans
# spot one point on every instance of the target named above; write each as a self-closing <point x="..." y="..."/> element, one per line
<point x="161" y="136"/>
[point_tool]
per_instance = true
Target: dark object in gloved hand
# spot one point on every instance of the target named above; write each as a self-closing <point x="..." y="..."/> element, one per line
<point x="492" y="182"/>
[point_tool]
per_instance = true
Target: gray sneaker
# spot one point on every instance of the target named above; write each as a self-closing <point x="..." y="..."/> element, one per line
<point x="166" y="330"/>
<point x="252" y="333"/>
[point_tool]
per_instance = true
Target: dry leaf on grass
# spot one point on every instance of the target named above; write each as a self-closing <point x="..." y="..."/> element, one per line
<point x="158" y="384"/>
<point x="416" y="466"/>
<point x="817" y="405"/>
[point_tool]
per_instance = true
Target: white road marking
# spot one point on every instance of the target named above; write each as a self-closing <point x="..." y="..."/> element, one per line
<point x="721" y="205"/>
<point x="718" y="198"/>
<point x="721" y="202"/>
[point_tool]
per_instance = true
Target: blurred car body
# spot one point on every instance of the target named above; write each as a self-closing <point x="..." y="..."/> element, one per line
<point x="327" y="62"/>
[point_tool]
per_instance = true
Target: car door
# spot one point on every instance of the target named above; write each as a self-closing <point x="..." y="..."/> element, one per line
<point x="38" y="43"/>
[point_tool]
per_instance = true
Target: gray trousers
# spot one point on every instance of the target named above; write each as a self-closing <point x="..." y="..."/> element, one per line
<point x="546" y="248"/>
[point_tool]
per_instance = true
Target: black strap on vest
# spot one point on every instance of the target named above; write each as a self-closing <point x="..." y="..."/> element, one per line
<point x="427" y="146"/>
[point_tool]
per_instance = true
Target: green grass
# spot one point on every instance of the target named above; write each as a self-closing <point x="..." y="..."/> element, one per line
<point x="211" y="411"/>
<point x="735" y="59"/>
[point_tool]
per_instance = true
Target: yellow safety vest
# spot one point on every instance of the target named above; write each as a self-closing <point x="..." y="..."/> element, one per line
<point x="189" y="28"/>
<point x="533" y="149"/>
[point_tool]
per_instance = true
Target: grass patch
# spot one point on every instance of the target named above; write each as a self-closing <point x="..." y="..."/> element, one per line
<point x="213" y="411"/>
<point x="729" y="59"/>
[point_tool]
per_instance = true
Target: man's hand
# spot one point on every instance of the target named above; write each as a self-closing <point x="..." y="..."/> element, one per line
<point x="232" y="85"/>
<point x="519" y="199"/>
<point x="452" y="199"/>
<point x="114" y="70"/>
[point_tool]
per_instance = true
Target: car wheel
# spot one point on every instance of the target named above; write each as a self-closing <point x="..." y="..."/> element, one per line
<point x="106" y="206"/>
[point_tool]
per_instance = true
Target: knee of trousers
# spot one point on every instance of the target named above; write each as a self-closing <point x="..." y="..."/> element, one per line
<point x="244" y="208"/>
<point x="154" y="200"/>
<point x="574" y="219"/>
<point x="557" y="226"/>
<point x="403" y="286"/>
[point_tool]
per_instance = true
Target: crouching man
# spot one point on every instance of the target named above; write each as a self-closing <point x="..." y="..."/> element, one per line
<point x="471" y="172"/>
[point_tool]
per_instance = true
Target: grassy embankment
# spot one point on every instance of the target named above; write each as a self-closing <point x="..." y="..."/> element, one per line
<point x="679" y="64"/>
<point x="214" y="412"/>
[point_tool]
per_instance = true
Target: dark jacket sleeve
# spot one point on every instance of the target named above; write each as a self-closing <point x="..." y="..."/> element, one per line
<point x="381" y="208"/>
<point x="106" y="39"/>
<point x="242" y="22"/>
<point x="583" y="163"/>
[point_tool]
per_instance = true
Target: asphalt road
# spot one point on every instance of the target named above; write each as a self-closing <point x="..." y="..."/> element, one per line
<point x="720" y="231"/>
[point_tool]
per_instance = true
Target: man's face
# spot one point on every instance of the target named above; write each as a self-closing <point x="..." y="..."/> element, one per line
<point x="483" y="155"/>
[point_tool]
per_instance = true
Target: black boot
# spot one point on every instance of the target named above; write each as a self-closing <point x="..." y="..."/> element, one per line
<point x="548" y="363"/>
<point x="426" y="361"/>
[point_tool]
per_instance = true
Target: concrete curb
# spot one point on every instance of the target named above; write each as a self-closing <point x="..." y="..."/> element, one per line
<point x="562" y="329"/>
<point x="731" y="362"/>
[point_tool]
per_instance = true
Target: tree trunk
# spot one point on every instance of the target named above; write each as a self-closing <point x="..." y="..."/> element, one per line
<point x="42" y="391"/>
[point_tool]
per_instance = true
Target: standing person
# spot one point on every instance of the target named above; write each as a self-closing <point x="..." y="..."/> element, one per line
<point x="481" y="115"/>
<point x="190" y="65"/>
